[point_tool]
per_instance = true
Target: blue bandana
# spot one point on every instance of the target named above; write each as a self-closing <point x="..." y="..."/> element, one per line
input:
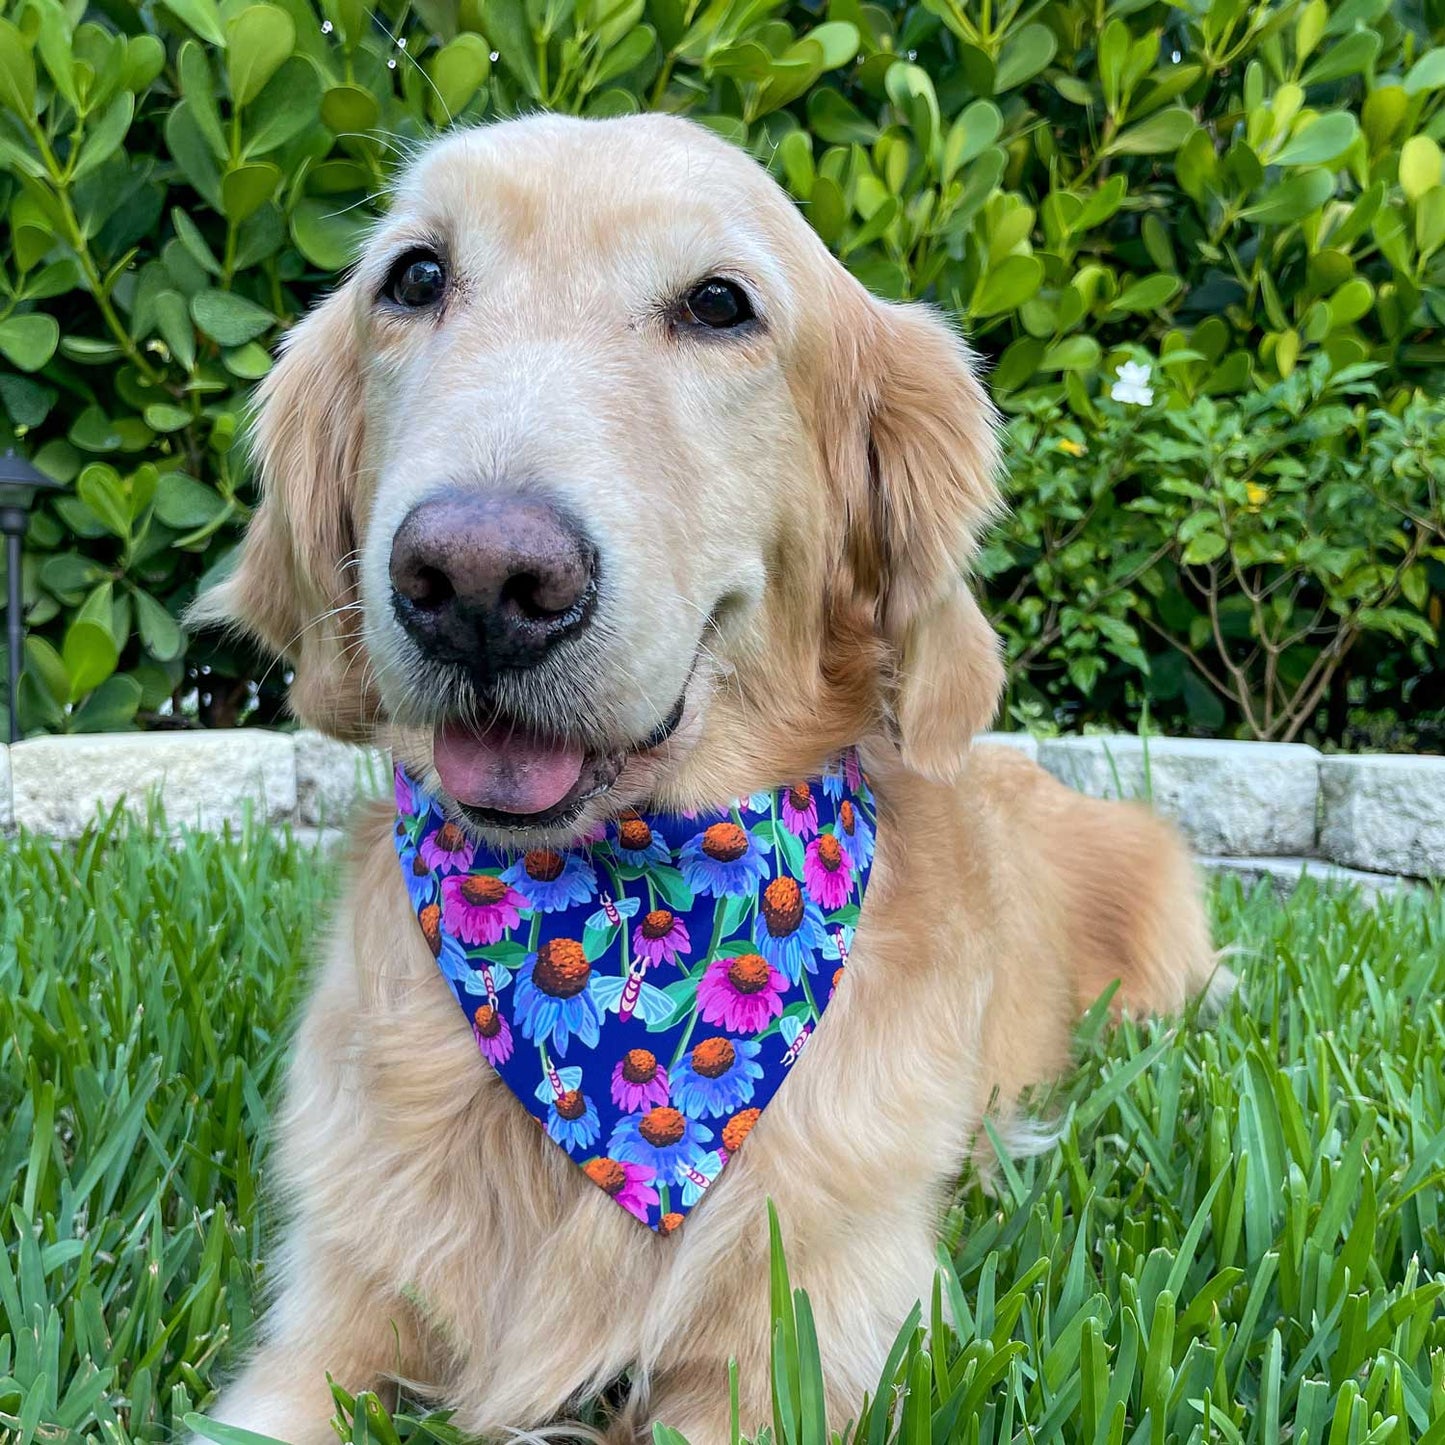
<point x="645" y="993"/>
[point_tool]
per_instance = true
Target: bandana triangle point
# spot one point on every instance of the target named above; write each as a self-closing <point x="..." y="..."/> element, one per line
<point x="645" y="994"/>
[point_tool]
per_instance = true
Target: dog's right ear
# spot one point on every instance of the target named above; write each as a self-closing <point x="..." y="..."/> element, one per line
<point x="294" y="586"/>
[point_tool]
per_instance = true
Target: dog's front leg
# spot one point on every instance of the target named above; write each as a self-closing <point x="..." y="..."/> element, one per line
<point x="326" y="1320"/>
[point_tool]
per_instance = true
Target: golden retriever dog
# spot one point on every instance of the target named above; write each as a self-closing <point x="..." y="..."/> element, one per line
<point x="724" y="501"/>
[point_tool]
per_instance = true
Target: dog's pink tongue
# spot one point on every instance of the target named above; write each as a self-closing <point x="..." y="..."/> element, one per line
<point x="505" y="770"/>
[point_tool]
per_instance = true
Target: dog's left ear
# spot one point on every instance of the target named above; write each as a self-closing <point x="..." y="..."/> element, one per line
<point x="294" y="586"/>
<point x="916" y="466"/>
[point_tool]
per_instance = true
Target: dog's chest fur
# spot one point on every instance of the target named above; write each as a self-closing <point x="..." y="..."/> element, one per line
<point x="462" y="1209"/>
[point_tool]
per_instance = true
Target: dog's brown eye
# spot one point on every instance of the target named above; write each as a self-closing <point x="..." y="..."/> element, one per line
<point x="717" y="304"/>
<point x="416" y="280"/>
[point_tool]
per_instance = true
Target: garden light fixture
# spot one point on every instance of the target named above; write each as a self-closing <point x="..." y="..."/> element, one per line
<point x="19" y="482"/>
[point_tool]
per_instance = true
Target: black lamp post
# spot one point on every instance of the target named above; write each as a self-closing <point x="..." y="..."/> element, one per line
<point x="19" y="482"/>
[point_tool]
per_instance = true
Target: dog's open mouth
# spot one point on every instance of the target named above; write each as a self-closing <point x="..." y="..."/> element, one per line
<point x="506" y="776"/>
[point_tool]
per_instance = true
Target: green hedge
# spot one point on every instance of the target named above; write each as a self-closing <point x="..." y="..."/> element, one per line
<point x="1232" y="191"/>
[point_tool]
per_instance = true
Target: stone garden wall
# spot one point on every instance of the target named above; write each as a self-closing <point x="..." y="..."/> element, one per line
<point x="1270" y="810"/>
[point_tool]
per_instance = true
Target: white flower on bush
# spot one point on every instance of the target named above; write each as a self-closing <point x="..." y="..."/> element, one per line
<point x="1132" y="387"/>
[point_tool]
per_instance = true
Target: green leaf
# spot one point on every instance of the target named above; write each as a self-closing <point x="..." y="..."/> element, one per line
<point x="459" y="70"/>
<point x="505" y="24"/>
<point x="48" y="667"/>
<point x="99" y="487"/>
<point x="258" y="41"/>
<point x="247" y="188"/>
<point x="29" y="341"/>
<point x="1074" y="353"/>
<point x="195" y="244"/>
<point x="250" y="362"/>
<point x="1322" y="139"/>
<point x="159" y="631"/>
<point x="838" y="121"/>
<point x="90" y="656"/>
<point x="164" y="416"/>
<point x="350" y="110"/>
<point x="1147" y="295"/>
<point x="1023" y="56"/>
<point x="1419" y="166"/>
<point x="228" y="318"/>
<point x="839" y="39"/>
<point x="17" y="72"/>
<point x="198" y="88"/>
<point x="1427" y="73"/>
<point x="1204" y="548"/>
<point x="1008" y="285"/>
<point x="173" y="321"/>
<point x="111" y="707"/>
<point x="1350" y="56"/>
<point x="106" y="135"/>
<point x="1165" y="130"/>
<point x="673" y="887"/>
<point x="202" y="16"/>
<point x="286" y="107"/>
<point x="184" y="503"/>
<point x="1292" y="199"/>
<point x="327" y="235"/>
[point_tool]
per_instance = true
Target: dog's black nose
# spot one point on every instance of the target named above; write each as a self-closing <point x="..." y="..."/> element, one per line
<point x="491" y="581"/>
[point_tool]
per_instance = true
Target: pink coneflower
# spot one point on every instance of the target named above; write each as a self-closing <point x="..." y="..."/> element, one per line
<point x="638" y="1082"/>
<point x="800" y="811"/>
<point x="493" y="1035"/>
<point x="448" y="850"/>
<point x="853" y="770"/>
<point x="741" y="994"/>
<point x="629" y="1184"/>
<point x="479" y="908"/>
<point x="661" y="936"/>
<point x="827" y="872"/>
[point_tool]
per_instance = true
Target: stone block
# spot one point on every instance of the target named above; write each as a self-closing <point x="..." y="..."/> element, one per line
<point x="1236" y="799"/>
<point x="1385" y="813"/>
<point x="1285" y="874"/>
<point x="203" y="779"/>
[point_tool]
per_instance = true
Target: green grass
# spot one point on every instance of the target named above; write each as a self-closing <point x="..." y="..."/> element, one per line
<point x="1239" y="1237"/>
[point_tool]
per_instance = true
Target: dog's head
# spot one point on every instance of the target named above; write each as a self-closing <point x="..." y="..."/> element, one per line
<point x="599" y="480"/>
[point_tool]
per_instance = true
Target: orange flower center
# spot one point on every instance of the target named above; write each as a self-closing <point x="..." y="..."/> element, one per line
<point x="431" y="928"/>
<point x="418" y="867"/>
<point x="544" y="865"/>
<point x="750" y="973"/>
<point x="725" y="842"/>
<point x="845" y="816"/>
<point x="562" y="969"/>
<point x="572" y="1105"/>
<point x="830" y="852"/>
<point x="838" y="976"/>
<point x="662" y="1127"/>
<point x="488" y="1021"/>
<point x="782" y="906"/>
<point x="606" y="1174"/>
<point x="668" y="1223"/>
<point x="657" y="924"/>
<point x="639" y="1066"/>
<point x="481" y="888"/>
<point x="738" y="1128"/>
<point x="712" y="1058"/>
<point x="449" y="838"/>
<point x="633" y="833"/>
<point x="800" y="795"/>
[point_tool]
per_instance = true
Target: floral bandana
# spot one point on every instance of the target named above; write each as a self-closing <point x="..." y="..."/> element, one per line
<point x="645" y="994"/>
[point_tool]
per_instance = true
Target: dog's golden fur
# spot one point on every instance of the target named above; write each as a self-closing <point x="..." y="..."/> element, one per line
<point x="844" y="455"/>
